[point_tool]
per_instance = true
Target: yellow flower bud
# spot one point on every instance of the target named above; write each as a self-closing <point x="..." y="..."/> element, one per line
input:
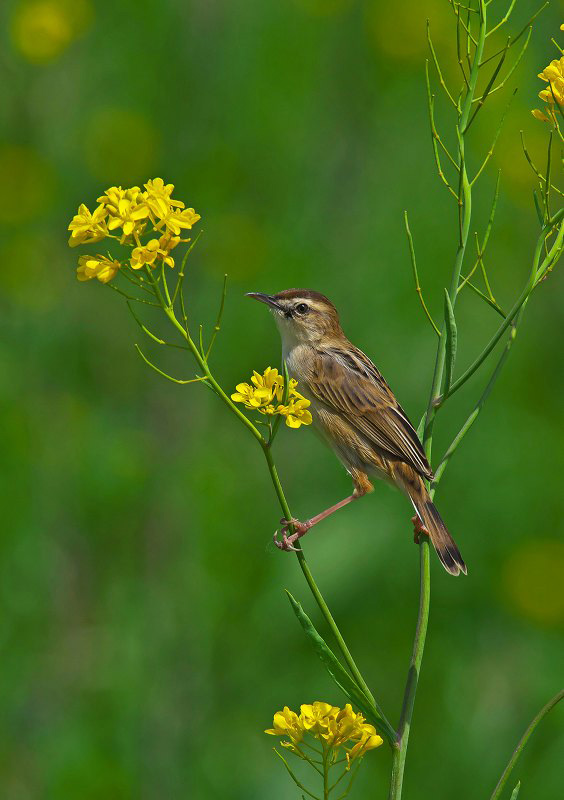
<point x="100" y="267"/>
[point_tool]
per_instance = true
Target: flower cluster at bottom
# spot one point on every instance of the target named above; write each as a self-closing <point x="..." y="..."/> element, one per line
<point x="334" y="727"/>
<point x="266" y="394"/>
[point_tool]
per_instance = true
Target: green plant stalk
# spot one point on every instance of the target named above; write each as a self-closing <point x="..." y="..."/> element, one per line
<point x="325" y="774"/>
<point x="465" y="216"/>
<point x="400" y="751"/>
<point x="523" y="741"/>
<point x="323" y="607"/>
<point x="513" y="320"/>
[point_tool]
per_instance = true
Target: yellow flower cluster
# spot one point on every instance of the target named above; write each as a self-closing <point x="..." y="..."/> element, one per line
<point x="124" y="214"/>
<point x="553" y="95"/>
<point x="266" y="394"/>
<point x="334" y="727"/>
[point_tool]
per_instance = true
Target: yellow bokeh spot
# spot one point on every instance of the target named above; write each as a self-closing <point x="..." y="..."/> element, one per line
<point x="121" y="146"/>
<point x="43" y="29"/>
<point x="26" y="180"/>
<point x="532" y="581"/>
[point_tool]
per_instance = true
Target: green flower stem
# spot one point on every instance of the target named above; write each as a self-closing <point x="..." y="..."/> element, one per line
<point x="400" y="751"/>
<point x="182" y="272"/>
<point x="484" y="297"/>
<point x="202" y="362"/>
<point x="164" y="374"/>
<point x="294" y="778"/>
<point x="523" y="741"/>
<point x="325" y="774"/>
<point x="323" y="607"/>
<point x="353" y="773"/>
<point x="217" y="326"/>
<point x="416" y="274"/>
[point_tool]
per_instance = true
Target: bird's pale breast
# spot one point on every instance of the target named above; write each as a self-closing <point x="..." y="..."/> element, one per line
<point x="351" y="447"/>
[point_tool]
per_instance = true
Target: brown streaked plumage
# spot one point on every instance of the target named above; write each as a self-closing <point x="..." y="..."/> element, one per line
<point x="356" y="412"/>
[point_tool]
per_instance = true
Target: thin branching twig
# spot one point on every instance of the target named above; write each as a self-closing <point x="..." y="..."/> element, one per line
<point x="416" y="274"/>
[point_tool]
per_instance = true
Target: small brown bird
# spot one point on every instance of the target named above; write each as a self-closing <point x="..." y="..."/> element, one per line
<point x="356" y="412"/>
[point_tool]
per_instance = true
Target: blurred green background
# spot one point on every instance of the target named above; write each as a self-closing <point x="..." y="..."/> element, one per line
<point x="146" y="638"/>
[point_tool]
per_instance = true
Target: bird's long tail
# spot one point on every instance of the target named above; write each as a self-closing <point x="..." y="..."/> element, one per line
<point x="444" y="544"/>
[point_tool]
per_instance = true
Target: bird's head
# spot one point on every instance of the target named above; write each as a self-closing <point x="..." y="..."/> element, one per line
<point x="302" y="315"/>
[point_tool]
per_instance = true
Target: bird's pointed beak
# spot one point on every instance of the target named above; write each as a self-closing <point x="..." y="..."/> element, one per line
<point x="265" y="298"/>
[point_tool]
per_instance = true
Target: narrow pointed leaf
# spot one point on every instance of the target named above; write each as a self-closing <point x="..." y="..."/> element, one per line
<point x="538" y="208"/>
<point x="515" y="792"/>
<point x="451" y="343"/>
<point x="421" y="427"/>
<point x="338" y="673"/>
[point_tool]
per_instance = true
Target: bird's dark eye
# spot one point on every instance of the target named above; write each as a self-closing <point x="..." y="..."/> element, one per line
<point x="302" y="308"/>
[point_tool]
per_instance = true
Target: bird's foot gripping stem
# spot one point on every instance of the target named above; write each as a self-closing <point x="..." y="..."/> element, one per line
<point x="418" y="529"/>
<point x="287" y="541"/>
<point x="301" y="528"/>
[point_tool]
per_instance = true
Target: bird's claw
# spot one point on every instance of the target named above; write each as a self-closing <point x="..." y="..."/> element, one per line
<point x="418" y="529"/>
<point x="287" y="541"/>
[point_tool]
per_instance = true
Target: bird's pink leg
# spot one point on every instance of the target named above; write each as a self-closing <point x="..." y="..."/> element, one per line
<point x="301" y="528"/>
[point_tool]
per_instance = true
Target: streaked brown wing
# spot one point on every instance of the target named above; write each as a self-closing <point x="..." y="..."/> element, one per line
<point x="348" y="381"/>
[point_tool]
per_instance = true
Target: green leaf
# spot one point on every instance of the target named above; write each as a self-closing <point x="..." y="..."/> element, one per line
<point x="538" y="208"/>
<point x="338" y="673"/>
<point x="421" y="427"/>
<point x="286" y="383"/>
<point x="515" y="792"/>
<point x="451" y="343"/>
